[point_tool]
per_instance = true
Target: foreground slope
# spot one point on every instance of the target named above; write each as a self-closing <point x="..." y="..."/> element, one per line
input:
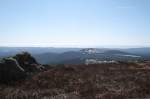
<point x="98" y="81"/>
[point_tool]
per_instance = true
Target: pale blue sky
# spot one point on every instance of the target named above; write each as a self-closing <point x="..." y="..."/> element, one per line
<point x="75" y="23"/>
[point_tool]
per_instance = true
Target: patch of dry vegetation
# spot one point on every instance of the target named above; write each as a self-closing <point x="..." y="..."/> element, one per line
<point x="101" y="81"/>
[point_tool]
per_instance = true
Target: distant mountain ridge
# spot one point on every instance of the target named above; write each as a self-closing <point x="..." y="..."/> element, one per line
<point x="79" y="57"/>
<point x="50" y="55"/>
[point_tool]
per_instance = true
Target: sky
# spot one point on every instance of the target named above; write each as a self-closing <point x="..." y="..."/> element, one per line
<point x="75" y="23"/>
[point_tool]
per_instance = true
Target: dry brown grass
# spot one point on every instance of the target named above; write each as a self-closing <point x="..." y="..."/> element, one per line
<point x="105" y="81"/>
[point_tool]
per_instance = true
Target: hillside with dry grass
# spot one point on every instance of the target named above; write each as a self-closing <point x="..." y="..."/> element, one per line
<point x="99" y="81"/>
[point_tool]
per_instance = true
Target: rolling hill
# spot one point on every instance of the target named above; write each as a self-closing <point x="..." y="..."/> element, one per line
<point x="80" y="56"/>
<point x="50" y="55"/>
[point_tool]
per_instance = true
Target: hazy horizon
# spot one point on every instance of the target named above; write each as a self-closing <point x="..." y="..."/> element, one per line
<point x="113" y="47"/>
<point x="75" y="23"/>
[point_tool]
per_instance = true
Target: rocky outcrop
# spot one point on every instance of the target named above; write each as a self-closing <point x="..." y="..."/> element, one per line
<point x="25" y="58"/>
<point x="10" y="70"/>
<point x="28" y="63"/>
<point x="18" y="67"/>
